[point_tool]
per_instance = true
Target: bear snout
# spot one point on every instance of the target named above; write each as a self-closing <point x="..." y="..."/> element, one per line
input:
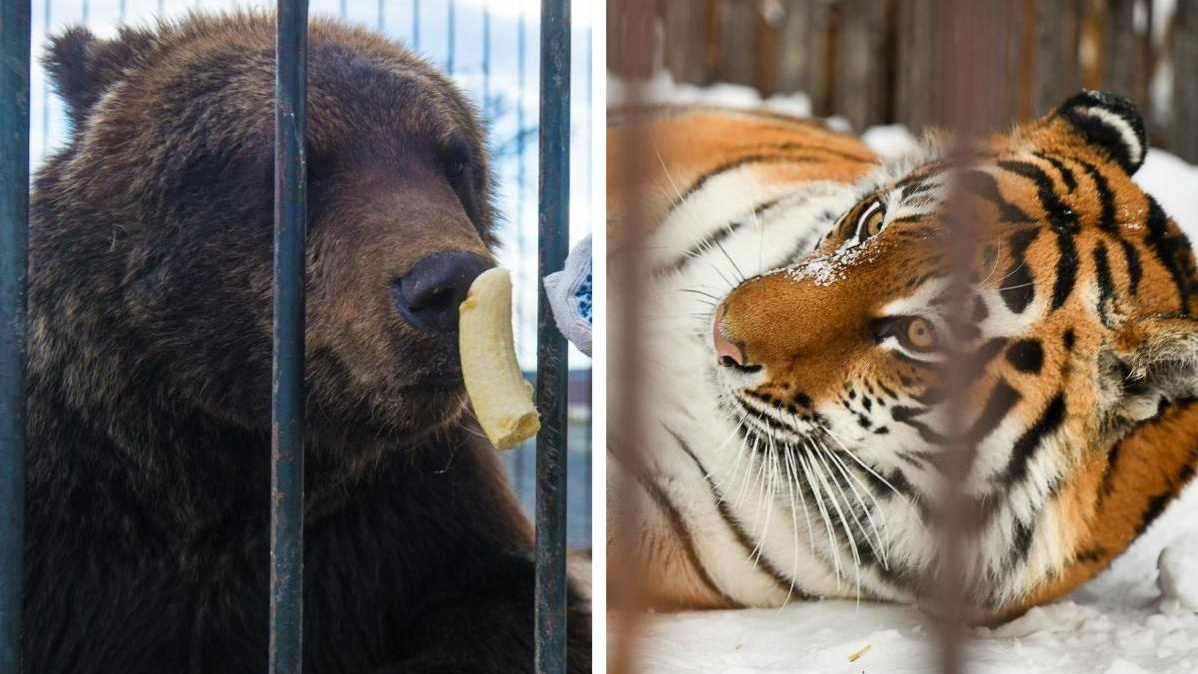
<point x="428" y="296"/>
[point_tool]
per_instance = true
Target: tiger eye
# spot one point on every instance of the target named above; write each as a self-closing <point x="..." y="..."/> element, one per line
<point x="875" y="223"/>
<point x="921" y="334"/>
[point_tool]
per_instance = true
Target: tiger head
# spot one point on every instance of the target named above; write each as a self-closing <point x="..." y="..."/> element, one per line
<point x="1080" y="327"/>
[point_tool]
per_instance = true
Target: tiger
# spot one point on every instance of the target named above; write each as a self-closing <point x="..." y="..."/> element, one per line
<point x="795" y="299"/>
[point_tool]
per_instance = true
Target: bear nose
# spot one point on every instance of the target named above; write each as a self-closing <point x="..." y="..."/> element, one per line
<point x="429" y="295"/>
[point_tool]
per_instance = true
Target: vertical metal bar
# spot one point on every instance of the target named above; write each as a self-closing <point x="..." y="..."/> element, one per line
<point x="521" y="458"/>
<point x="416" y="25"/>
<point x="452" y="38"/>
<point x="486" y="59"/>
<point x="287" y="423"/>
<point x="46" y="5"/>
<point x="554" y="239"/>
<point x="14" y="261"/>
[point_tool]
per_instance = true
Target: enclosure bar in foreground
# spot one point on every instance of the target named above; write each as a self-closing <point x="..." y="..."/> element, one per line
<point x="554" y="241"/>
<point x="14" y="261"/>
<point x="287" y="399"/>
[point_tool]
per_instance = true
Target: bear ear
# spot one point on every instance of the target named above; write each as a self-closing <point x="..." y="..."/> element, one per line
<point x="1109" y="122"/>
<point x="83" y="67"/>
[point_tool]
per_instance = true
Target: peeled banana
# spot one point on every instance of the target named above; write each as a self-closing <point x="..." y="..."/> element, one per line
<point x="502" y="398"/>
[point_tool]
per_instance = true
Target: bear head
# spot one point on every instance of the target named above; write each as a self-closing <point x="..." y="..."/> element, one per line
<point x="153" y="228"/>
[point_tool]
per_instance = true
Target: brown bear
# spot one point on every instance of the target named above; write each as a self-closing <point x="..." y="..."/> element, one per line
<point x="149" y="373"/>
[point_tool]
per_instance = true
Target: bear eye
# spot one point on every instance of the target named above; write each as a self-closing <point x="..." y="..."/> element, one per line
<point x="918" y="334"/>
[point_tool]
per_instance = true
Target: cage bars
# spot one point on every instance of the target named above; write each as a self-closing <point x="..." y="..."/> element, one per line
<point x="287" y="404"/>
<point x="14" y="261"/>
<point x="552" y="367"/>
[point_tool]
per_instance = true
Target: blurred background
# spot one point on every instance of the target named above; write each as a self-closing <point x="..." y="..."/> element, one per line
<point x="491" y="48"/>
<point x="871" y="61"/>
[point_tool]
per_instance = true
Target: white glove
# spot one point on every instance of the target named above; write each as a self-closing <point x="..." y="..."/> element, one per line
<point x="569" y="292"/>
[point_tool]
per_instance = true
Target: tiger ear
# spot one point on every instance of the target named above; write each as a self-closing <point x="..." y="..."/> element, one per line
<point x="1109" y="122"/>
<point x="1154" y="362"/>
<point x="83" y="68"/>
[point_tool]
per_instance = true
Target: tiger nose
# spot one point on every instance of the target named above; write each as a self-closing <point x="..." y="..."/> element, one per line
<point x="727" y="353"/>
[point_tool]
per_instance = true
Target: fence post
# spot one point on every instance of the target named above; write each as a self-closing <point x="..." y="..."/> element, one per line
<point x="14" y="262"/>
<point x="554" y="240"/>
<point x="287" y="404"/>
<point x="1184" y="134"/>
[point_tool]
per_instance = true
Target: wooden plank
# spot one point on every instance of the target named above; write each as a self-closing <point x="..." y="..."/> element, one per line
<point x="1118" y="48"/>
<point x="739" y="26"/>
<point x="1050" y="65"/>
<point x="686" y="32"/>
<point x="913" y="100"/>
<point x="630" y="37"/>
<point x="862" y="86"/>
<point x="1183" y="131"/>
<point x="797" y="47"/>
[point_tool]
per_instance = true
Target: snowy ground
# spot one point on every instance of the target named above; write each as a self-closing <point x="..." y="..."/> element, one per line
<point x="1119" y="623"/>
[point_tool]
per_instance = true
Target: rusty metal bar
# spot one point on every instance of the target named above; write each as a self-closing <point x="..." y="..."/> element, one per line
<point x="552" y="367"/>
<point x="287" y="404"/>
<point x="14" y="262"/>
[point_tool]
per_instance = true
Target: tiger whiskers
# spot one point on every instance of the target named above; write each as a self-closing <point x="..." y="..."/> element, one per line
<point x="820" y="468"/>
<point x="817" y="494"/>
<point x="875" y="543"/>
<point x="852" y="455"/>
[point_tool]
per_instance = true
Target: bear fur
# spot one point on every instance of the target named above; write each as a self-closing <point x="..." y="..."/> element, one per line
<point x="150" y="362"/>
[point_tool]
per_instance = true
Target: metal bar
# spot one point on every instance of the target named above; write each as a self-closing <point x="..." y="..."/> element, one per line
<point x="487" y="59"/>
<point x="452" y="39"/>
<point x="521" y="458"/>
<point x="416" y="25"/>
<point x="14" y="261"/>
<point x="554" y="240"/>
<point x="287" y="404"/>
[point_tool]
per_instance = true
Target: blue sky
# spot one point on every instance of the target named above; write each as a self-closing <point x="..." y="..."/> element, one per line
<point x="452" y="34"/>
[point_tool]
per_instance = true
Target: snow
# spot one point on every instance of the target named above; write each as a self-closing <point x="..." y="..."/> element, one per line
<point x="1131" y="619"/>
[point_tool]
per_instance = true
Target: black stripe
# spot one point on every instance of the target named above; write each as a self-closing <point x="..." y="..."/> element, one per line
<point x="1000" y="401"/>
<point x="909" y="416"/>
<point x="731" y="166"/>
<point x="1106" y="283"/>
<point x="780" y="579"/>
<point x="711" y="240"/>
<point x="1172" y="251"/>
<point x="1066" y="173"/>
<point x="1019" y="287"/>
<point x="1105" y="196"/>
<point x="1135" y="271"/>
<point x="1063" y="221"/>
<point x="1025" y="447"/>
<point x="790" y="146"/>
<point x="1021" y="541"/>
<point x="1067" y="264"/>
<point x="1060" y="216"/>
<point x="1156" y="506"/>
<point x="678" y="524"/>
<point x="1026" y="355"/>
<point x="984" y="185"/>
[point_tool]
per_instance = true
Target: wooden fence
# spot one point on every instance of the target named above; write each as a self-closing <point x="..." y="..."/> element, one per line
<point x="872" y="60"/>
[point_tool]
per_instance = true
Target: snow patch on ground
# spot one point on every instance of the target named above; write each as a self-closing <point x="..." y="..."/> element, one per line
<point x="1119" y="623"/>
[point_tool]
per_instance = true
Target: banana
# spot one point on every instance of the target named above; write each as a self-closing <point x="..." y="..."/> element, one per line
<point x="501" y="397"/>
